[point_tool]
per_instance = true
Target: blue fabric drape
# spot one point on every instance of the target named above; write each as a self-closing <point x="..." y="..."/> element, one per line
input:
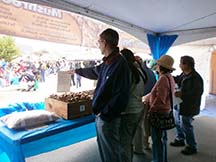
<point x="15" y="145"/>
<point x="19" y="107"/>
<point x="159" y="45"/>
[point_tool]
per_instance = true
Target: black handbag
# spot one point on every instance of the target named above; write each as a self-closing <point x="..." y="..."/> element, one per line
<point x="164" y="121"/>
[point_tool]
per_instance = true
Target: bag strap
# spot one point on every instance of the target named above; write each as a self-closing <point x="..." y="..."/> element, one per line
<point x="171" y="99"/>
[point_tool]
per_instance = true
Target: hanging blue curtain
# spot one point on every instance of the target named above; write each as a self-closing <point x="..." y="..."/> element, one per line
<point x="159" y="45"/>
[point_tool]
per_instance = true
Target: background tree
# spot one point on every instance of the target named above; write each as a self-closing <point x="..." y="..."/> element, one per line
<point x="8" y="49"/>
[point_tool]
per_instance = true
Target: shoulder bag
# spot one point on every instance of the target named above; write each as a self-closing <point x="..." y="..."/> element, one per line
<point x="164" y="121"/>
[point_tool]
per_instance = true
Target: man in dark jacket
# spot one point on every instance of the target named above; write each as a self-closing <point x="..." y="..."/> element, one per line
<point x="111" y="95"/>
<point x="190" y="84"/>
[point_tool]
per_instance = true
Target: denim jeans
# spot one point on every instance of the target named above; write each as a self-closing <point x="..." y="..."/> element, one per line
<point x="179" y="131"/>
<point x="184" y="128"/>
<point x="129" y="123"/>
<point x="187" y="127"/>
<point x="159" y="146"/>
<point x="108" y="139"/>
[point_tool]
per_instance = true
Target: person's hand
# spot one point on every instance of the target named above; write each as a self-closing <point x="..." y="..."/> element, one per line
<point x="178" y="93"/>
<point x="70" y="71"/>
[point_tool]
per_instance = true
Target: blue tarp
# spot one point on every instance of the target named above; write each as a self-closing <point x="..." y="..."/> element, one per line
<point x="159" y="45"/>
<point x="20" y="144"/>
<point x="4" y="157"/>
<point x="18" y="107"/>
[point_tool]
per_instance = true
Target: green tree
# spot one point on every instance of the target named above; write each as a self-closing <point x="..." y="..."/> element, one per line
<point x="8" y="49"/>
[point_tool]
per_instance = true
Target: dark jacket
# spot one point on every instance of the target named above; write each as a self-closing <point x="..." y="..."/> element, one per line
<point x="151" y="79"/>
<point x="112" y="91"/>
<point x="191" y="86"/>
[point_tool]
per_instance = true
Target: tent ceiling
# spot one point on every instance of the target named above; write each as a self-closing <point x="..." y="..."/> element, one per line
<point x="190" y="19"/>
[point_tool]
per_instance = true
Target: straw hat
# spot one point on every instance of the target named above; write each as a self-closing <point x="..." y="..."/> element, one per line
<point x="166" y="61"/>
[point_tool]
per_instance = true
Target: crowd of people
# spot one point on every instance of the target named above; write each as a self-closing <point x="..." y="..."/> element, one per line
<point x="127" y="92"/>
<point x="16" y="73"/>
<point x="28" y="73"/>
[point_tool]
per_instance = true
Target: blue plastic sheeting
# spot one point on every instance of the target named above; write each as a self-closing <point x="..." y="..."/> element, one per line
<point x="4" y="157"/>
<point x="15" y="145"/>
<point x="59" y="140"/>
<point x="21" y="144"/>
<point x="18" y="107"/>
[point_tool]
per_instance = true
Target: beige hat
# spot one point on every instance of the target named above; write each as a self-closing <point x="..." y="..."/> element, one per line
<point x="166" y="61"/>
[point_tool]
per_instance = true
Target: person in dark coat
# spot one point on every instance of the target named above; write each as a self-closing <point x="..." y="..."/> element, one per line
<point x="110" y="96"/>
<point x="190" y="85"/>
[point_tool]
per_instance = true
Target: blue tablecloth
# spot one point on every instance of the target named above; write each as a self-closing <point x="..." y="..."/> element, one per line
<point x="24" y="143"/>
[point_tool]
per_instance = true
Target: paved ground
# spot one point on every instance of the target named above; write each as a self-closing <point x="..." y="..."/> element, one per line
<point x="87" y="151"/>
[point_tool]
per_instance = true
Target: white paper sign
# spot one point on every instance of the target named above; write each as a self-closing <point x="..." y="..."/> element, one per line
<point x="63" y="82"/>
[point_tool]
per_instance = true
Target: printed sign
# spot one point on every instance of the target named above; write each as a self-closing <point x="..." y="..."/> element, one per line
<point x="63" y="82"/>
<point x="82" y="108"/>
<point x="22" y="19"/>
<point x="38" y="22"/>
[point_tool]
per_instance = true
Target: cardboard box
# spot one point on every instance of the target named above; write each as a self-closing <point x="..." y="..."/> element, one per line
<point x="68" y="110"/>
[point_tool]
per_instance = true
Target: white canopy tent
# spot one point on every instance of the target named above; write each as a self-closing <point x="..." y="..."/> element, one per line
<point x="190" y="19"/>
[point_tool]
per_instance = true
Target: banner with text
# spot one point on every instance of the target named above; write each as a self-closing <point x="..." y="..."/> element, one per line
<point x="22" y="19"/>
<point x="38" y="22"/>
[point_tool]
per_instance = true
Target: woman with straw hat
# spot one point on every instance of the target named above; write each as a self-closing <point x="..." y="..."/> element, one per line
<point x="160" y="102"/>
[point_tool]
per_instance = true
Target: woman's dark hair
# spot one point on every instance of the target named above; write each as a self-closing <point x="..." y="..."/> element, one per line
<point x="111" y="37"/>
<point x="128" y="54"/>
<point x="165" y="70"/>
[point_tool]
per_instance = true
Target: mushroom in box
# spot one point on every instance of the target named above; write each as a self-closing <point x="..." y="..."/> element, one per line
<point x="70" y="105"/>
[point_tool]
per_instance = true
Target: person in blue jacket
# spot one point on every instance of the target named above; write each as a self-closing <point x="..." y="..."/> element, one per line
<point x="110" y="96"/>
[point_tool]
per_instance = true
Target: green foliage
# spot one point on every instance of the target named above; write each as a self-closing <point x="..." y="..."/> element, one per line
<point x="8" y="49"/>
